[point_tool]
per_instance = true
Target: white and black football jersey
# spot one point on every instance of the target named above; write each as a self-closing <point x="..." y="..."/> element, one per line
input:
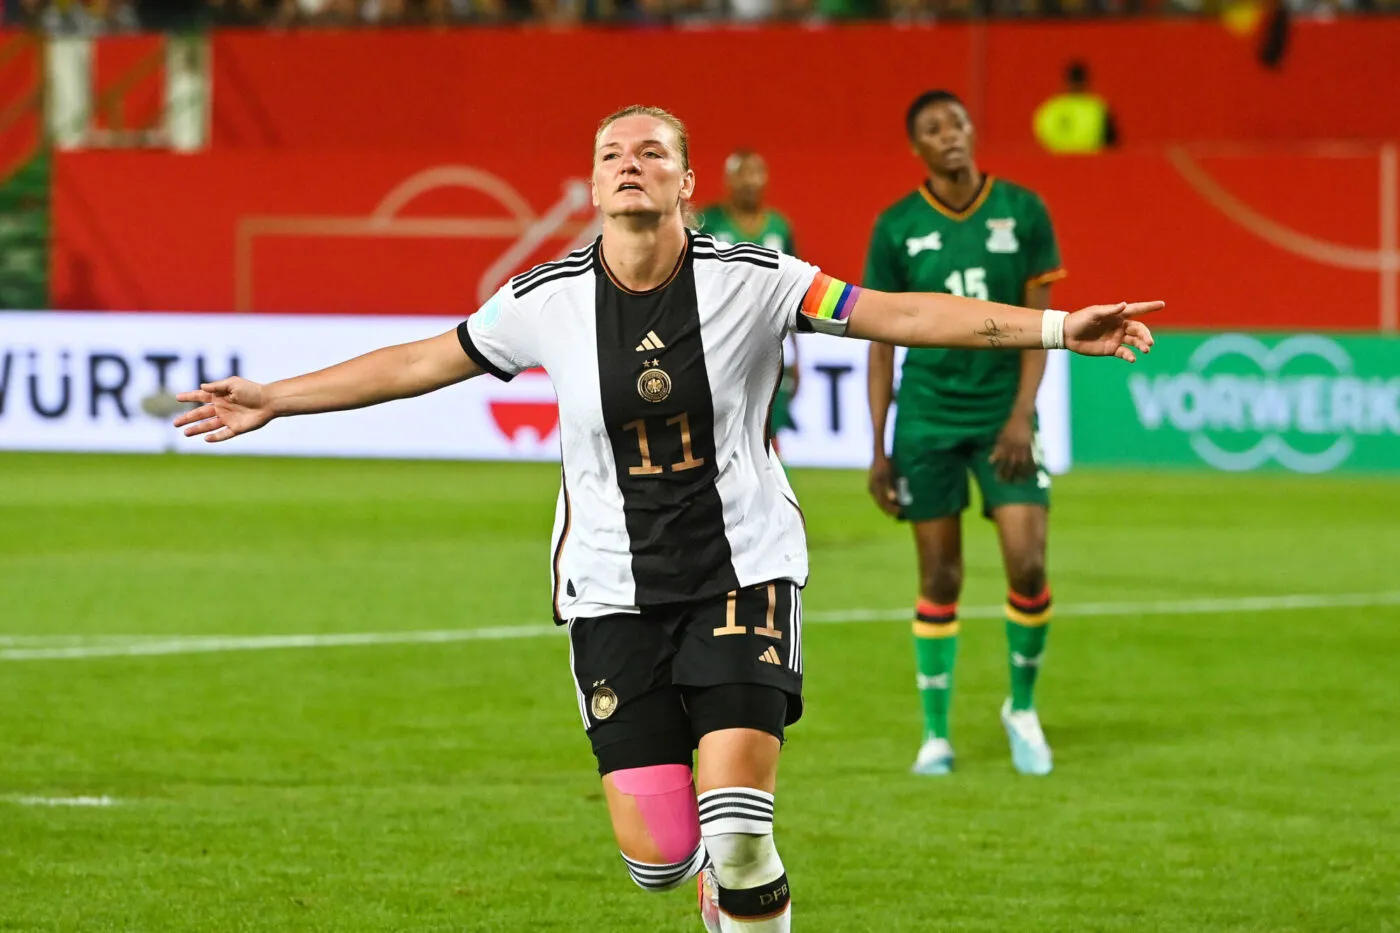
<point x="671" y="491"/>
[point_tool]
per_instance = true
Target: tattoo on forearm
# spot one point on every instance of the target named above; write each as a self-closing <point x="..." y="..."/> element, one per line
<point x="994" y="334"/>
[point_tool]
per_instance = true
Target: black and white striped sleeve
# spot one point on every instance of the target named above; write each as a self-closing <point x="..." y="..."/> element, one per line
<point x="501" y="337"/>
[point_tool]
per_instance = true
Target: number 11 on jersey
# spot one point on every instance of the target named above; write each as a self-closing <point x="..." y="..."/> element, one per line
<point x="688" y="459"/>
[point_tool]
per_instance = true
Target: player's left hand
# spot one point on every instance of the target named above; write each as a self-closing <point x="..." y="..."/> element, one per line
<point x="227" y="408"/>
<point x="1012" y="455"/>
<point x="1110" y="330"/>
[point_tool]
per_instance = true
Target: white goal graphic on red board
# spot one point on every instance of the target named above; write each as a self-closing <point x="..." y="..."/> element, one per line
<point x="521" y="231"/>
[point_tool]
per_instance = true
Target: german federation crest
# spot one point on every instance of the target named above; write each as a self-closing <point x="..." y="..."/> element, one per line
<point x="604" y="703"/>
<point x="654" y="384"/>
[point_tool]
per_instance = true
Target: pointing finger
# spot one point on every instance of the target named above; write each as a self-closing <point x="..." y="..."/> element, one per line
<point x="1139" y="308"/>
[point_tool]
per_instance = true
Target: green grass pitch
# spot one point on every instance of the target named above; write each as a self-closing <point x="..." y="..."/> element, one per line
<point x="1220" y="767"/>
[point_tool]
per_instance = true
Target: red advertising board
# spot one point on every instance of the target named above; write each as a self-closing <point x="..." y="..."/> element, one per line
<point x="431" y="232"/>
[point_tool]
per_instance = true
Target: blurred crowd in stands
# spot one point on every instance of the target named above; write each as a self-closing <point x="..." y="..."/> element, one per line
<point x="91" y="17"/>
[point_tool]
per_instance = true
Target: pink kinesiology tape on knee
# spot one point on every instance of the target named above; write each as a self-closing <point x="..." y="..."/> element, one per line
<point x="666" y="798"/>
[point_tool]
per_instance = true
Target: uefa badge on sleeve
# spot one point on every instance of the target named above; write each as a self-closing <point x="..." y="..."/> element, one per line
<point x="489" y="315"/>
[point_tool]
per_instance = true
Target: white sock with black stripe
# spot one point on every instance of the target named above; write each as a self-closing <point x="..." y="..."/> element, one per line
<point x="651" y="877"/>
<point x="736" y="810"/>
<point x="737" y="826"/>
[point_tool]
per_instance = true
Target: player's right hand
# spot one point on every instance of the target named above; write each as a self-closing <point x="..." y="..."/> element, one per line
<point x="1111" y="330"/>
<point x="881" y="484"/>
<point x="227" y="408"/>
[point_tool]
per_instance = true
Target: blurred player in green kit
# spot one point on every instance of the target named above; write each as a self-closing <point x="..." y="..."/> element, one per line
<point x="962" y="413"/>
<point x="744" y="218"/>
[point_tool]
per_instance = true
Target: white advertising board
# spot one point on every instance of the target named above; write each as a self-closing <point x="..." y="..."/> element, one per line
<point x="82" y="382"/>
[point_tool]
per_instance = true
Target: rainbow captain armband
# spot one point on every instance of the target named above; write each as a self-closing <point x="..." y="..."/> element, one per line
<point x="826" y="308"/>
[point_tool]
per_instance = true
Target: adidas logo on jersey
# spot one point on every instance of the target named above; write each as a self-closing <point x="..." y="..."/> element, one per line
<point x="650" y="342"/>
<point x="771" y="656"/>
<point x="917" y="244"/>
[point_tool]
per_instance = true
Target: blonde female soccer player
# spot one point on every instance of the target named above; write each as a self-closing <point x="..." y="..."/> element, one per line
<point x="679" y="551"/>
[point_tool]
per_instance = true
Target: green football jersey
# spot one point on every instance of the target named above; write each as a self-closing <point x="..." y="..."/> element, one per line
<point x="1001" y="244"/>
<point x="776" y="232"/>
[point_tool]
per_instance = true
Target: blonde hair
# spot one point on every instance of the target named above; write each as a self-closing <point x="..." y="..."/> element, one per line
<point x="682" y="142"/>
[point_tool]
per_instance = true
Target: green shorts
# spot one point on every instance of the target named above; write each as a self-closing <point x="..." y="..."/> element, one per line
<point x="931" y="477"/>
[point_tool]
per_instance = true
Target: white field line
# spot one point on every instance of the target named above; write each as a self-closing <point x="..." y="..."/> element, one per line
<point x="25" y="801"/>
<point x="201" y="644"/>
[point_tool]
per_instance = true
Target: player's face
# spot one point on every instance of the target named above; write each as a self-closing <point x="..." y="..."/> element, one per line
<point x="747" y="183"/>
<point x="943" y="137"/>
<point x="637" y="169"/>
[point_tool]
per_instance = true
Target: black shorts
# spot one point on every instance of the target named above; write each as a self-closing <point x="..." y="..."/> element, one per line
<point x="651" y="684"/>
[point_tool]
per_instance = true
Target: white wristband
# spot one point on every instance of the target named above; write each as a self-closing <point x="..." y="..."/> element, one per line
<point x="1052" y="329"/>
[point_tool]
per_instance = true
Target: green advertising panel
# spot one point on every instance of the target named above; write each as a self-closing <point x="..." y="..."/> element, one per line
<point x="1309" y="403"/>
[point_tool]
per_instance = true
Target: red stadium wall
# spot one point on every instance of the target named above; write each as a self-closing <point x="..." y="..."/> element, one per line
<point x="335" y="187"/>
<point x="1195" y="81"/>
<point x="1170" y="82"/>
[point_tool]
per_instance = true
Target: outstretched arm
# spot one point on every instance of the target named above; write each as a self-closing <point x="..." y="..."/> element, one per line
<point x="236" y="406"/>
<point x="402" y="371"/>
<point x="916" y="319"/>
